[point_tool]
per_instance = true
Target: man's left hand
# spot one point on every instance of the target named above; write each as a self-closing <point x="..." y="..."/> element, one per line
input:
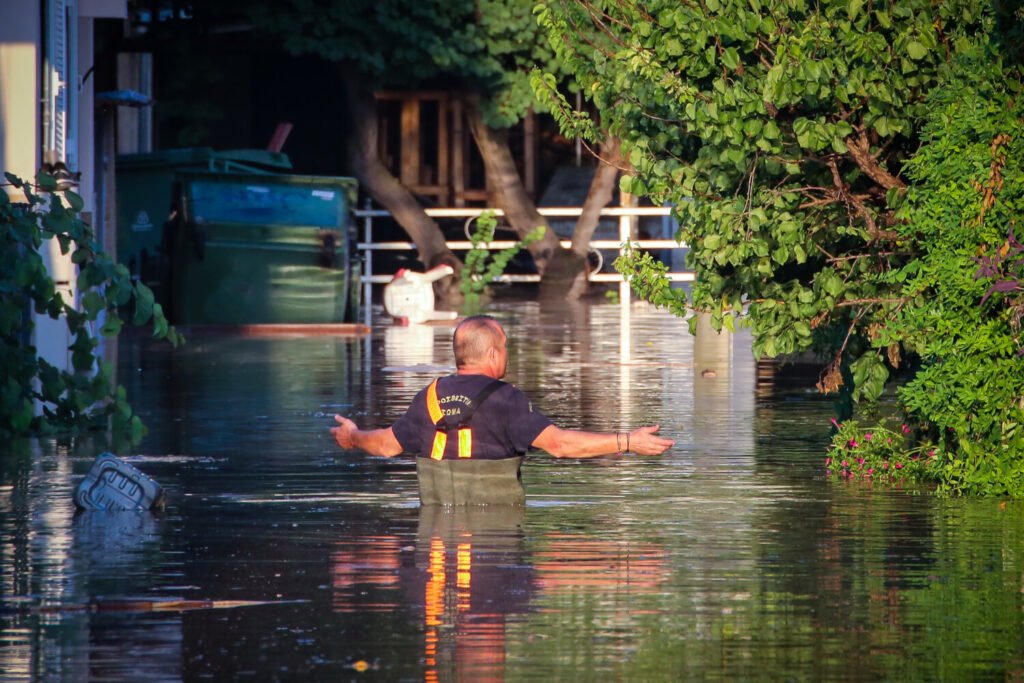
<point x="343" y="433"/>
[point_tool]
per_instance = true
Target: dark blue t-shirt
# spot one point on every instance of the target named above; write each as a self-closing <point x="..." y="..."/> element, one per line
<point x="504" y="425"/>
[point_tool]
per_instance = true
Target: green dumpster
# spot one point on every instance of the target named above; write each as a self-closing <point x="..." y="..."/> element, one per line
<point x="145" y="192"/>
<point x="257" y="249"/>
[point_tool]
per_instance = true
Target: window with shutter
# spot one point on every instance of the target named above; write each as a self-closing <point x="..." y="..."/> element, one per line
<point x="60" y="77"/>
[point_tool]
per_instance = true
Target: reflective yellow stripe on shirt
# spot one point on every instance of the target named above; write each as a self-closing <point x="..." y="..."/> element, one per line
<point x="465" y="442"/>
<point x="433" y="406"/>
<point x="434" y="410"/>
<point x="440" y="441"/>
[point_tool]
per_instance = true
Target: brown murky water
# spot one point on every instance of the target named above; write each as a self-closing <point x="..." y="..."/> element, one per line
<point x="281" y="557"/>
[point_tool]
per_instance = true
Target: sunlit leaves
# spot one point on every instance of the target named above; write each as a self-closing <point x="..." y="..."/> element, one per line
<point x="750" y="109"/>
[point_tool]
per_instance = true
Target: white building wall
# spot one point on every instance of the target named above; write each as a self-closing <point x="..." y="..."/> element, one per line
<point x="25" y="142"/>
<point x="20" y="46"/>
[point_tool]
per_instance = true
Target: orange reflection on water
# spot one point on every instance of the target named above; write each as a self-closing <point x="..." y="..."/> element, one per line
<point x="368" y="560"/>
<point x="477" y="638"/>
<point x="564" y="561"/>
<point x="468" y="571"/>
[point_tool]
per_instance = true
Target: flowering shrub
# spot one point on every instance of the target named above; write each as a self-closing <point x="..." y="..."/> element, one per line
<point x="878" y="452"/>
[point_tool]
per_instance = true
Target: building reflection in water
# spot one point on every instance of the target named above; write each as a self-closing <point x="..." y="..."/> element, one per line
<point x="54" y="561"/>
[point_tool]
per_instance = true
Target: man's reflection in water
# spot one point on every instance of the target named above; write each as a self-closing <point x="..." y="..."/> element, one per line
<point x="475" y="576"/>
<point x="468" y="572"/>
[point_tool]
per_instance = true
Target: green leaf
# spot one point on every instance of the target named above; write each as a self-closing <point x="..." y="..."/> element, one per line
<point x="75" y="200"/>
<point x="93" y="303"/>
<point x="46" y="182"/>
<point x="160" y="326"/>
<point x="833" y="285"/>
<point x="916" y="50"/>
<point x="731" y="58"/>
<point x="21" y="418"/>
<point x="143" y="304"/>
<point x="112" y="325"/>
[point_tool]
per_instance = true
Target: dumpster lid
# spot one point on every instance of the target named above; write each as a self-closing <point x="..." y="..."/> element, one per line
<point x="270" y="198"/>
<point x="244" y="159"/>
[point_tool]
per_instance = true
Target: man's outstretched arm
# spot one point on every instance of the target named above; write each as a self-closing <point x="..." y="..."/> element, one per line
<point x="380" y="442"/>
<point x="573" y="443"/>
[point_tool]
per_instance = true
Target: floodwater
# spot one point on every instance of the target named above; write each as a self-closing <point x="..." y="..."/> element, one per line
<point x="281" y="557"/>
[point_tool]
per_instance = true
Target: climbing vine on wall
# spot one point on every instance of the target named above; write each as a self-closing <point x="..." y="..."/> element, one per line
<point x="35" y="396"/>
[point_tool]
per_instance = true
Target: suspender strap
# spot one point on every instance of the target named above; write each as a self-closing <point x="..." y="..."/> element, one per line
<point x="439" y="419"/>
<point x="467" y="414"/>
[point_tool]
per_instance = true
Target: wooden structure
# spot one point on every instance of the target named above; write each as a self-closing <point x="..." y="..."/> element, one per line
<point x="424" y="139"/>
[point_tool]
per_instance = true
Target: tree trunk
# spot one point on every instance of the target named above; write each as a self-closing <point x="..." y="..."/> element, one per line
<point x="391" y="194"/>
<point x="552" y="260"/>
<point x="602" y="185"/>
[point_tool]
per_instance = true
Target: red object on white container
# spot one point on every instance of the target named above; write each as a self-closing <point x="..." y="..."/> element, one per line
<point x="410" y="296"/>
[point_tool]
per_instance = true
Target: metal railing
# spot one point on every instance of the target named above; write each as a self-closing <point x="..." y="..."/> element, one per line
<point x="624" y="214"/>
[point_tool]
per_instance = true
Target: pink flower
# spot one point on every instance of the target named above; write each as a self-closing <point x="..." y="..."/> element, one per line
<point x="899" y="466"/>
<point x="833" y="421"/>
<point x="853" y="444"/>
<point x="885" y="465"/>
<point x="931" y="453"/>
<point x="888" y="440"/>
<point x="906" y="430"/>
<point x="828" y="461"/>
<point x="844" y="463"/>
<point x="860" y="461"/>
<point x="868" y="437"/>
<point x="870" y="470"/>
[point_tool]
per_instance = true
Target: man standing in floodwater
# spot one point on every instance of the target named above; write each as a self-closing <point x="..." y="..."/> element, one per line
<point x="470" y="430"/>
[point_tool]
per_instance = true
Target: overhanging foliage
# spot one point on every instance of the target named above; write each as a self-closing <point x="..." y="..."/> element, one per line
<point x="782" y="131"/>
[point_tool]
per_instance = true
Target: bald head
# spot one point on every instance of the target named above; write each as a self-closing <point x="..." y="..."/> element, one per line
<point x="474" y="338"/>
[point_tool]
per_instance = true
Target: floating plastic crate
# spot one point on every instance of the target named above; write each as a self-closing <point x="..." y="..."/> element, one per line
<point x="114" y="485"/>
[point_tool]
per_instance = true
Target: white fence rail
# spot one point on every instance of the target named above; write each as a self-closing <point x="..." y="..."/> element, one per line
<point x="624" y="214"/>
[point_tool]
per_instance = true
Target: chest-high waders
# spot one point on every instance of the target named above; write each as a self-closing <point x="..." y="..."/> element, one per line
<point x="464" y="480"/>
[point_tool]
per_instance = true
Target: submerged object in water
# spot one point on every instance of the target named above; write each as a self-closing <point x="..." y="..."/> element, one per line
<point x="114" y="485"/>
<point x="410" y="295"/>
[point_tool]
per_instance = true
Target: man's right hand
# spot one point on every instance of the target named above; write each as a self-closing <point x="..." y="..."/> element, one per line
<point x="380" y="442"/>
